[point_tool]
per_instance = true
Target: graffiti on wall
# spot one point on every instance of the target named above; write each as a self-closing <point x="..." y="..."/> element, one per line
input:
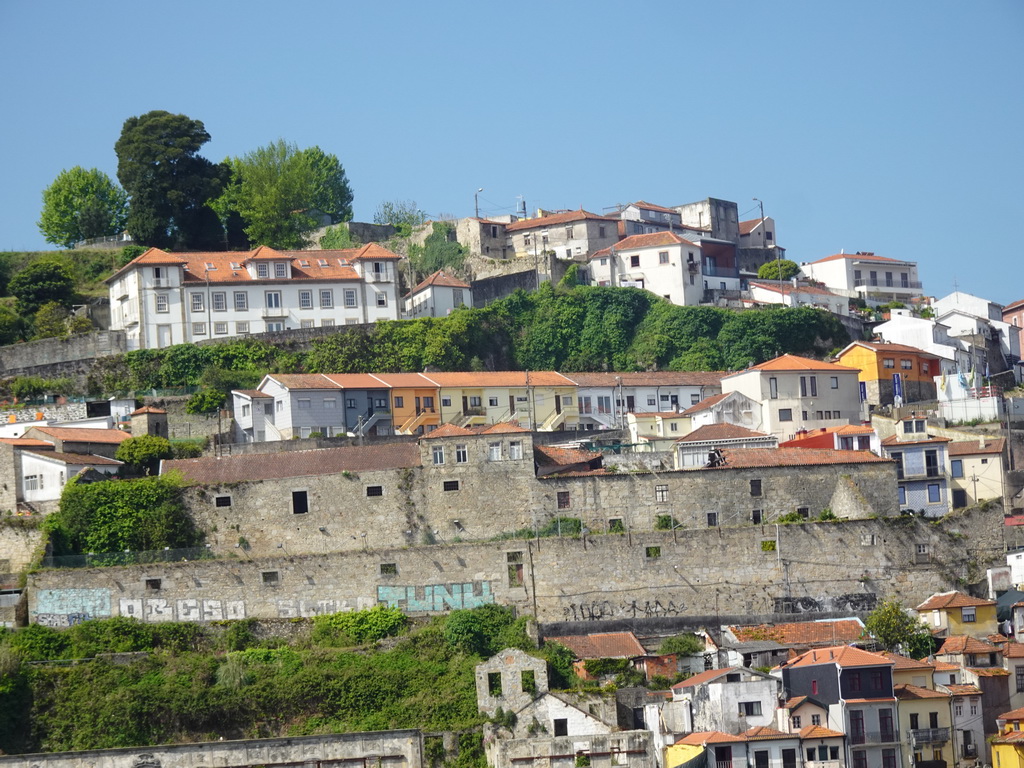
<point x="434" y="598"/>
<point x="67" y="607"/>
<point x="156" y="609"/>
<point x="596" y="610"/>
<point x="855" y="602"/>
<point x="293" y="609"/>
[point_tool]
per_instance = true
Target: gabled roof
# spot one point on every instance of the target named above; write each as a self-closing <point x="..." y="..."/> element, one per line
<point x="83" y="435"/>
<point x="893" y="440"/>
<point x="26" y="442"/>
<point x="743" y="458"/>
<point x="652" y="207"/>
<point x="448" y="430"/>
<point x="796" y="363"/>
<point x="958" y="644"/>
<point x="602" y="645"/>
<point x="550" y="456"/>
<point x="147" y="409"/>
<point x="303" y="380"/>
<point x="786" y="287"/>
<point x="440" y="279"/>
<point x="798" y="633"/>
<point x="707" y="676"/>
<point x="952" y="599"/>
<point x="907" y="664"/>
<point x="841" y="655"/>
<point x="859" y="257"/>
<point x="700" y="738"/>
<point x="252" y="394"/>
<point x="83" y="459"/>
<point x="556" y="218"/>
<point x="1013" y="650"/>
<point x="652" y="240"/>
<point x="819" y="732"/>
<point x="722" y="431"/>
<point x="647" y="378"/>
<point x="881" y="347"/>
<point x="504" y="428"/>
<point x="962" y="690"/>
<point x="1013" y="714"/>
<point x="993" y="445"/>
<point x="706" y="403"/>
<point x="268" y="466"/>
<point x="905" y="691"/>
<point x="763" y="733"/>
<point x="748" y="226"/>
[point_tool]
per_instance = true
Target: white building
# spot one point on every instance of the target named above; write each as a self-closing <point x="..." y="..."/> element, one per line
<point x="928" y="335"/>
<point x="694" y="450"/>
<point x="437" y="296"/>
<point x="876" y="279"/>
<point x="666" y="264"/>
<point x="641" y="218"/>
<point x="757" y="233"/>
<point x="605" y="399"/>
<point x="792" y="294"/>
<point x="797" y="393"/>
<point x="160" y="298"/>
<point x="44" y="473"/>
<point x="980" y="322"/>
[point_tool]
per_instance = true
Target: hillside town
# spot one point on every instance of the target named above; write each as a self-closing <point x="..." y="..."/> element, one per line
<point x="718" y="557"/>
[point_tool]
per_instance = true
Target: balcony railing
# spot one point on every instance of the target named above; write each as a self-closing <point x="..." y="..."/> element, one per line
<point x="713" y="270"/>
<point x="275" y="312"/>
<point x="928" y="735"/>
<point x="968" y="750"/>
<point x="873" y="737"/>
<point x="876" y="283"/>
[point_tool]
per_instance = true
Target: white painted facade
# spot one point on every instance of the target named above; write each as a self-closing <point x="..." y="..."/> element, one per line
<point x="43" y="477"/>
<point x="734" y="408"/>
<point x="790" y="295"/>
<point x="162" y="299"/>
<point x="928" y="335"/>
<point x="437" y="298"/>
<point x="876" y="279"/>
<point x="761" y="234"/>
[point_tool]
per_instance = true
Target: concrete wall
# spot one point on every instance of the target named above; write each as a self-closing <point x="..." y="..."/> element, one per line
<point x="25" y="359"/>
<point x="20" y="537"/>
<point x="810" y="569"/>
<point x="394" y="749"/>
<point x="490" y="289"/>
<point x="631" y="749"/>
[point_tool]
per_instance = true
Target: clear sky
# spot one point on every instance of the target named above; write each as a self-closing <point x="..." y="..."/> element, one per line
<point x="893" y="127"/>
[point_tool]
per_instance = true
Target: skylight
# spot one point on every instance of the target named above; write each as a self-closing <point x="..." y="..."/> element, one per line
<point x="322" y="262"/>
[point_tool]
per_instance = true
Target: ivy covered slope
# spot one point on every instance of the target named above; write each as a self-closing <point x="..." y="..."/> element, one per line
<point x="566" y="328"/>
<point x="189" y="683"/>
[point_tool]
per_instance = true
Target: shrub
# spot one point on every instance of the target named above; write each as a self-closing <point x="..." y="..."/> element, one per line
<point x="357" y="627"/>
<point x="686" y="644"/>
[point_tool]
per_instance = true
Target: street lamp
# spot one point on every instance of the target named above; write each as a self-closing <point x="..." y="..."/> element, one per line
<point x="764" y="240"/>
<point x="476" y="202"/>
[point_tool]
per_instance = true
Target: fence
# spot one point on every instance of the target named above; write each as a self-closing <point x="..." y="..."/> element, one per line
<point x="98" y="559"/>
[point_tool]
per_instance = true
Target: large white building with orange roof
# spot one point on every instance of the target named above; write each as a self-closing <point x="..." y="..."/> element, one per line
<point x="160" y="299"/>
<point x="876" y="279"/>
<point x="798" y="393"/>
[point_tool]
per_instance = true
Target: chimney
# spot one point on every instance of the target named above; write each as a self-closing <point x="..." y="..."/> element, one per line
<point x="981" y="442"/>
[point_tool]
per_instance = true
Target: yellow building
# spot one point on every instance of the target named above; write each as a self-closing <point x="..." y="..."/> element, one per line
<point x="976" y="470"/>
<point x="953" y="613"/>
<point x="1008" y="745"/>
<point x="878" y="362"/>
<point x="925" y="724"/>
<point x="414" y="402"/>
<point x="540" y="400"/>
<point x="724" y="749"/>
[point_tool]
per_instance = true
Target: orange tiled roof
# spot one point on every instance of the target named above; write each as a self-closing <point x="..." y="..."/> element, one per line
<point x="748" y="226"/>
<point x="706" y="403"/>
<point x="895" y="440"/>
<point x="652" y="240"/>
<point x="803" y="632"/>
<point x="26" y="442"/>
<point x="325" y="461"/>
<point x="743" y="458"/>
<point x="700" y="738"/>
<point x="819" y="732"/>
<point x="763" y="733"/>
<point x="555" y="456"/>
<point x="905" y="663"/>
<point x="858" y="257"/>
<point x="1013" y="714"/>
<point x="503" y="428"/>
<point x="1009" y="737"/>
<point x="555" y="218"/>
<point x="448" y="430"/>
<point x="648" y="378"/>
<point x="707" y="676"/>
<point x="973" y="447"/>
<point x="952" y="599"/>
<point x="1013" y="649"/>
<point x="964" y="644"/>
<point x="905" y="691"/>
<point x="718" y="432"/>
<point x="602" y="645"/>
<point x="879" y="346"/>
<point x="84" y="459"/>
<point x="963" y="690"/>
<point x="785" y="287"/>
<point x="990" y="671"/>
<point x="83" y="435"/>
<point x="406" y="380"/>
<point x="147" y="409"/>
<point x="482" y="379"/>
<point x="797" y="363"/>
<point x="843" y="655"/>
<point x="441" y="279"/>
<point x="652" y="207"/>
<point x="252" y="393"/>
<point x="945" y="666"/>
<point x="303" y="380"/>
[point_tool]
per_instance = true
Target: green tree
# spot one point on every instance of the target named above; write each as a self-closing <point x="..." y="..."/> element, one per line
<point x="439" y="251"/>
<point x="338" y="238"/>
<point x="897" y="630"/>
<point x="277" y="189"/>
<point x="82" y="204"/>
<point x="50" y="321"/>
<point x="143" y="453"/>
<point x="42" y="282"/>
<point x="403" y="215"/>
<point x="686" y="644"/>
<point x="770" y="270"/>
<point x="12" y="326"/>
<point x="168" y="183"/>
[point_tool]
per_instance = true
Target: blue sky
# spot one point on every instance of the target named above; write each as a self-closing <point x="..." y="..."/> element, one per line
<point x="892" y="127"/>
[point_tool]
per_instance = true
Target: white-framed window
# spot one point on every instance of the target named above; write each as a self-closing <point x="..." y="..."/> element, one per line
<point x="220" y="329"/>
<point x="661" y="493"/>
<point x="33" y="482"/>
<point x="305" y="299"/>
<point x="438" y="454"/>
<point x="273" y="299"/>
<point x="515" y="450"/>
<point x="461" y="454"/>
<point x="663" y="257"/>
<point x="350" y="297"/>
<point x="219" y="301"/>
<point x="198" y="329"/>
<point x="274" y="325"/>
<point x="327" y="322"/>
<point x="446" y="402"/>
<point x="494" y="451"/>
<point x="326" y="298"/>
<point x="162" y="303"/>
<point x="306" y="323"/>
<point x="382" y="299"/>
<point x="198" y="305"/>
<point x="246" y="408"/>
<point x="457" y="299"/>
<point x="968" y="615"/>
<point x="241" y="301"/>
<point x="493" y="401"/>
<point x="262" y="269"/>
<point x="280" y="270"/>
<point x="242" y="327"/>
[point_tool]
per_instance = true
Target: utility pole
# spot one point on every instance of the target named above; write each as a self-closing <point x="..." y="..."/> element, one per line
<point x="476" y="202"/>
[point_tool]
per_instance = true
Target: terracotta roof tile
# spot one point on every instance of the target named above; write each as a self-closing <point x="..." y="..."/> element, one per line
<point x="990" y="671"/>
<point x="797" y="633"/>
<point x="700" y="738"/>
<point x="895" y="440"/>
<point x="406" y="380"/>
<point x="267" y="466"/>
<point x="356" y="380"/>
<point x="441" y="279"/>
<point x="858" y="257"/>
<point x="448" y="430"/>
<point x="83" y="435"/>
<point x="748" y="226"/>
<point x="26" y="442"/>
<point x="843" y="655"/>
<point x="797" y="363"/>
<point x="303" y="380"/>
<point x="904" y="691"/>
<point x="707" y="676"/>
<point x="952" y="599"/>
<point x="84" y="459"/>
<point x="252" y="393"/>
<point x="1009" y="737"/>
<point x="819" y="732"/>
<point x="555" y="456"/>
<point x="945" y="666"/>
<point x="652" y="207"/>
<point x="1013" y="714"/>
<point x="973" y="447"/>
<point x="648" y="378"/>
<point x="963" y="644"/>
<point x="879" y="346"/>
<point x="719" y="432"/>
<point x="763" y="733"/>
<point x="706" y="403"/>
<point x="652" y="240"/>
<point x="147" y="409"/>
<point x="743" y="458"/>
<point x="504" y="428"/>
<point x="602" y="645"/>
<point x="963" y="690"/>
<point x="555" y="218"/>
<point x="1013" y="650"/>
<point x="905" y="663"/>
<point x="785" y="287"/>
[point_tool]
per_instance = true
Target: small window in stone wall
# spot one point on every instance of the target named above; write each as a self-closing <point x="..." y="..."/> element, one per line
<point x="867" y="539"/>
<point x="528" y="682"/>
<point x="494" y="683"/>
<point x="712" y="519"/>
<point x="615" y="525"/>
<point x="804" y="512"/>
<point x="757" y="516"/>
<point x="451" y="485"/>
<point x="153" y="585"/>
<point x="300" y="502"/>
<point x="375" y="490"/>
<point x="271" y="578"/>
<point x="515" y="568"/>
<point x="389" y="569"/>
<point x="563" y="499"/>
<point x="652" y="553"/>
<point x="755" y="487"/>
<point x="222" y="501"/>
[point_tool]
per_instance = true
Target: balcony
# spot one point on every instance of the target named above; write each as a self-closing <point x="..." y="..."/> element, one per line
<point x="823" y="764"/>
<point x="873" y="737"/>
<point x="274" y="312"/>
<point x="712" y="270"/>
<point x="969" y="751"/>
<point x="928" y="735"/>
<point x="909" y="285"/>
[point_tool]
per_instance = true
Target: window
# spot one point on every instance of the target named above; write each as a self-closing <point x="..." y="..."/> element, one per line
<point x="712" y="519"/>
<point x="326" y="298"/>
<point x="615" y="525"/>
<point x="934" y="494"/>
<point x="350" y="402"/>
<point x="907" y="365"/>
<point x="245" y="409"/>
<point x="374" y="490"/>
<point x="876" y="685"/>
<point x="305" y="299"/>
<point x="773" y="388"/>
<point x="568" y="233"/>
<point x="860" y="757"/>
<point x="888" y="362"/>
<point x="803" y="386"/>
<point x="153" y="585"/>
<point x="161" y="303"/>
<point x="902" y="495"/>
<point x="222" y="501"/>
<point x="438" y="454"/>
<point x="563" y="499"/>
<point x="956" y="467"/>
<point x="652" y="553"/>
<point x="219" y="301"/>
<point x="221" y="329"/>
<point x="33" y="482"/>
<point x="756" y="516"/>
<point x="321" y="262"/>
<point x="198" y="329"/>
<point x="661" y="493"/>
<point x="814" y="687"/>
<point x="634" y="261"/>
<point x="273" y="299"/>
<point x="446" y="402"/>
<point x="897" y="456"/>
<point x="389" y="569"/>
<point x="968" y="615"/>
<point x="262" y="270"/>
<point x="785" y="414"/>
<point x="450" y="485"/>
<point x="855" y="681"/>
<point x="198" y="305"/>
<point x="795" y="719"/>
<point x="300" y="502"/>
<point x="428" y="403"/>
<point x="561" y="726"/>
<point x="815" y="719"/>
<point x="399" y="402"/>
<point x="804" y="512"/>
<point x="331" y="403"/>
<point x="492" y="401"/>
<point x="814" y="386"/>
<point x="515" y="450"/>
<point x="755" y="487"/>
<point x="663" y="257"/>
<point x="241" y="301"/>
<point x="494" y="451"/>
<point x="461" y="454"/>
<point x="475" y="402"/>
<point x="350" y="297"/>
<point x="271" y="578"/>
<point x="304" y="403"/>
<point x="515" y="568"/>
<point x="280" y="270"/>
<point x="327" y="322"/>
<point x="382" y="299"/>
<point x="750" y="708"/>
<point x="888" y="756"/>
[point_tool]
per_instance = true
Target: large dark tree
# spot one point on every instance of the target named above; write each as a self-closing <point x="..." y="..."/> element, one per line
<point x="169" y="184"/>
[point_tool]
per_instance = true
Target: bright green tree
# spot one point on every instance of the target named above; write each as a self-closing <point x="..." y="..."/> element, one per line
<point x="82" y="204"/>
<point x="338" y="238"/>
<point x="897" y="630"/>
<point x="403" y="215"/>
<point x="12" y="326"/>
<point x="770" y="270"/>
<point x="42" y="282"/>
<point x="143" y="453"/>
<point x="439" y="251"/>
<point x="50" y="321"/>
<point x="169" y="183"/>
